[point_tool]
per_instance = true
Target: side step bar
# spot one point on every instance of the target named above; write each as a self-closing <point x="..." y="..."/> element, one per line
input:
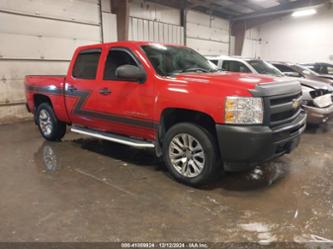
<point x="112" y="137"/>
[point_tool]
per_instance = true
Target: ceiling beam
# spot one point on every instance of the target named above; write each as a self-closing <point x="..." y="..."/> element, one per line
<point x="213" y="5"/>
<point x="216" y="12"/>
<point x="177" y="4"/>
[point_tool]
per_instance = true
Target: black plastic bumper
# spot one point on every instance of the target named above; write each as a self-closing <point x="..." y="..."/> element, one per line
<point x="254" y="144"/>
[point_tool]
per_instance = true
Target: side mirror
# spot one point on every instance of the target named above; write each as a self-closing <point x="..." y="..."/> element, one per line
<point x="292" y="74"/>
<point x="130" y="73"/>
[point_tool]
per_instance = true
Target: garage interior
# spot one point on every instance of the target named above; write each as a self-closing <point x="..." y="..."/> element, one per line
<point x="89" y="190"/>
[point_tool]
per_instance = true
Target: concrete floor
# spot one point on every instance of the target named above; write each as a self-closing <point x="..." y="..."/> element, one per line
<point x="84" y="189"/>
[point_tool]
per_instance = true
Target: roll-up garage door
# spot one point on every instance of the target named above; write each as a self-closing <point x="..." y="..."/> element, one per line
<point x="39" y="37"/>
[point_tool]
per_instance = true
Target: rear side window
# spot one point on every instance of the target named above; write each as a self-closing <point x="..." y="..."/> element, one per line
<point x="86" y="64"/>
<point x="116" y="58"/>
<point x="235" y="66"/>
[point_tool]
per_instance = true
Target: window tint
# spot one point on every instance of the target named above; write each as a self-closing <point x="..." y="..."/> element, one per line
<point x="86" y="64"/>
<point x="215" y="62"/>
<point x="172" y="60"/>
<point x="115" y="59"/>
<point x="284" y="68"/>
<point x="323" y="69"/>
<point x="263" y="67"/>
<point x="306" y="70"/>
<point x="235" y="66"/>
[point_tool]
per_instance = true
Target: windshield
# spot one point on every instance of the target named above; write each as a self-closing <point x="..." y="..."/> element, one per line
<point x="170" y="60"/>
<point x="263" y="67"/>
<point x="307" y="71"/>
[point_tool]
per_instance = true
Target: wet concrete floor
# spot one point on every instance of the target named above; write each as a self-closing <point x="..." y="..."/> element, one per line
<point x="84" y="189"/>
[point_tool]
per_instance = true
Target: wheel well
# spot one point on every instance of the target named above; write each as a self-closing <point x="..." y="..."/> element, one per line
<point x="39" y="99"/>
<point x="173" y="116"/>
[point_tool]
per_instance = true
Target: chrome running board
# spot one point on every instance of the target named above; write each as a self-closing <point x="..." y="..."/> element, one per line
<point x="113" y="137"/>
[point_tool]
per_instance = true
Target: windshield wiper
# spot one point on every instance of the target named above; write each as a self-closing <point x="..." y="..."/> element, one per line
<point x="192" y="69"/>
<point x="196" y="69"/>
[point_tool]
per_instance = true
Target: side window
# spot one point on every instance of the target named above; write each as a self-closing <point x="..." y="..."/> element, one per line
<point x="215" y="62"/>
<point x="86" y="64"/>
<point x="329" y="69"/>
<point x="115" y="59"/>
<point x="235" y="66"/>
<point x="226" y="65"/>
<point x="323" y="70"/>
<point x="284" y="68"/>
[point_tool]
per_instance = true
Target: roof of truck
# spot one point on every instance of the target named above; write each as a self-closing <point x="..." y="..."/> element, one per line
<point x="126" y="44"/>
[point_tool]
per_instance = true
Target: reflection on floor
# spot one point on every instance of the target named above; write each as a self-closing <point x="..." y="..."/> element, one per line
<point x="84" y="189"/>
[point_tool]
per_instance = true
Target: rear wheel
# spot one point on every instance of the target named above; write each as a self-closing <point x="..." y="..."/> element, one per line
<point x="49" y="126"/>
<point x="190" y="153"/>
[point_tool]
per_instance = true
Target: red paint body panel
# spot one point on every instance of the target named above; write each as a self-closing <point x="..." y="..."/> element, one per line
<point x="140" y="105"/>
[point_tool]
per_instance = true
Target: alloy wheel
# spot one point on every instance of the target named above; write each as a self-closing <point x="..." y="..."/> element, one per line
<point x="186" y="155"/>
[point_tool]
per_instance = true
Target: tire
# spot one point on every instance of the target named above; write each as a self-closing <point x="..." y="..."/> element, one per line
<point x="187" y="164"/>
<point x="49" y="126"/>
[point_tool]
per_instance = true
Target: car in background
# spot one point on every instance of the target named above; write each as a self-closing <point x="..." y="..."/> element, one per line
<point x="325" y="70"/>
<point x="317" y="96"/>
<point x="297" y="70"/>
<point x="243" y="65"/>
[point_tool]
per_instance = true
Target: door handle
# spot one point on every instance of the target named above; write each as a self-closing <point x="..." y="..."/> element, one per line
<point x="71" y="88"/>
<point x="105" y="91"/>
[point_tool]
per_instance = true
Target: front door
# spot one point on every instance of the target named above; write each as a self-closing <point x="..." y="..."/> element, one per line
<point x="127" y="106"/>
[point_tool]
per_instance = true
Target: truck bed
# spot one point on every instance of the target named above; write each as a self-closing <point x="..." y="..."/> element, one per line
<point x="44" y="79"/>
<point x="50" y="86"/>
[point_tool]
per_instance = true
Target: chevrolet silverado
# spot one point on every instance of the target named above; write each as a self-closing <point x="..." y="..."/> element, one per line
<point x="173" y="100"/>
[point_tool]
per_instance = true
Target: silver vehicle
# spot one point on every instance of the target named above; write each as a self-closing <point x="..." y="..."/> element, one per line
<point x="317" y="96"/>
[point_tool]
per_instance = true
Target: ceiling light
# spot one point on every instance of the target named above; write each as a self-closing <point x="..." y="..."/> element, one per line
<point x="306" y="12"/>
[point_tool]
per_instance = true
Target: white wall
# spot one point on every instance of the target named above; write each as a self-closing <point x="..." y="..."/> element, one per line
<point x="305" y="39"/>
<point x="39" y="37"/>
<point x="207" y="34"/>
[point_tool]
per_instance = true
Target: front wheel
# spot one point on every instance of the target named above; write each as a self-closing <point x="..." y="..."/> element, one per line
<point x="49" y="126"/>
<point x="190" y="153"/>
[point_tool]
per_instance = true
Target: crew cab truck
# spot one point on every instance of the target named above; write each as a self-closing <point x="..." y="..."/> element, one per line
<point x="172" y="99"/>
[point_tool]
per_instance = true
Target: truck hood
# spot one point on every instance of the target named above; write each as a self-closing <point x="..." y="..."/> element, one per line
<point x="242" y="80"/>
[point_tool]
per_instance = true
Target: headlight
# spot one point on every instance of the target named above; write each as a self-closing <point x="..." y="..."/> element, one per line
<point x="243" y="110"/>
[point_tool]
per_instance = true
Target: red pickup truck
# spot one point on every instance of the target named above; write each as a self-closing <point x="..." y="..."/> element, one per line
<point x="172" y="99"/>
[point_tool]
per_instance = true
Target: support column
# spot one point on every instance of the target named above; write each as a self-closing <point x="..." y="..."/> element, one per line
<point x="121" y="9"/>
<point x="183" y="22"/>
<point x="238" y="30"/>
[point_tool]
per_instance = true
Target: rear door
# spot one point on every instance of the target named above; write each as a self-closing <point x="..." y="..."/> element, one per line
<point x="80" y="85"/>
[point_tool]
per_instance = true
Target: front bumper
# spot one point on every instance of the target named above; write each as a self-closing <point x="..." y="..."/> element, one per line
<point x="318" y="115"/>
<point x="246" y="145"/>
